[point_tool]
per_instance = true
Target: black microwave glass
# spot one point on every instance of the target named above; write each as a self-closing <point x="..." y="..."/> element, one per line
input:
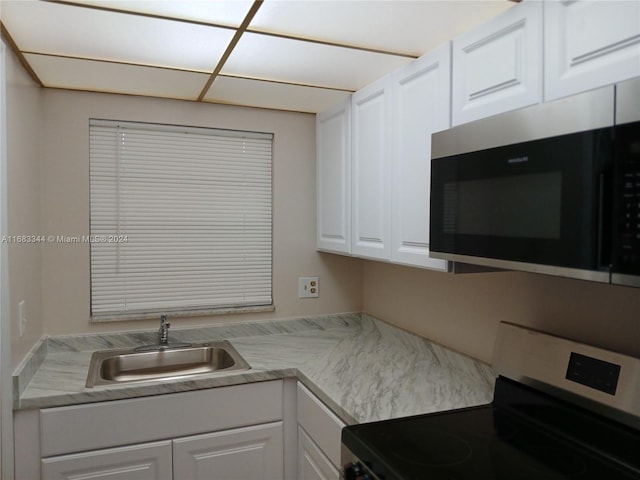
<point x="541" y="202"/>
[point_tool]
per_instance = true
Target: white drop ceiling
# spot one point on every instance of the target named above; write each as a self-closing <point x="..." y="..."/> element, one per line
<point x="281" y="54"/>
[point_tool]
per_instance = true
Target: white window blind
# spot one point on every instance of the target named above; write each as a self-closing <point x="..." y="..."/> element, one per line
<point x="180" y="218"/>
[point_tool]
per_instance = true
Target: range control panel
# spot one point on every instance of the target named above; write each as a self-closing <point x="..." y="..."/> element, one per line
<point x="607" y="380"/>
<point x="593" y="373"/>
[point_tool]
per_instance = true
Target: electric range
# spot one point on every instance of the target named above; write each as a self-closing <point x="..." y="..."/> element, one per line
<point x="561" y="410"/>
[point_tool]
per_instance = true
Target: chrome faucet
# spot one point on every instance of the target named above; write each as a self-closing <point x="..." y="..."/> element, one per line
<point x="163" y="333"/>
<point x="163" y="339"/>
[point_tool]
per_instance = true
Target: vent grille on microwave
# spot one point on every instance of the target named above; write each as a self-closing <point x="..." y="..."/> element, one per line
<point x="450" y="208"/>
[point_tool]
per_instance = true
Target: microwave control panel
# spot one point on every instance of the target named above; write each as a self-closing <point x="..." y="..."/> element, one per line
<point x="628" y="145"/>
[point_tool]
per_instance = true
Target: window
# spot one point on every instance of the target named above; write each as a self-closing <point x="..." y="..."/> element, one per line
<point x="180" y="219"/>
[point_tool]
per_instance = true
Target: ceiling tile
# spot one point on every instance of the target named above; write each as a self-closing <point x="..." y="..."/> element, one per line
<point x="342" y="45"/>
<point x="263" y="94"/>
<point x="411" y="27"/>
<point x="58" y="29"/>
<point x="274" y="58"/>
<point x="89" y="75"/>
<point x="219" y="12"/>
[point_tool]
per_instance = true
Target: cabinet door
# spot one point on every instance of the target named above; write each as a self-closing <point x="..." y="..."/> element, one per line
<point x="371" y="225"/>
<point x="420" y="106"/>
<point x="312" y="463"/>
<point x="320" y="423"/>
<point x="589" y="44"/>
<point x="333" y="162"/>
<point x="250" y="453"/>
<point x="151" y="461"/>
<point x="497" y="67"/>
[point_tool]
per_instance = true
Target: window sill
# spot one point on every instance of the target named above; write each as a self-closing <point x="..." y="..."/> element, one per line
<point x="180" y="313"/>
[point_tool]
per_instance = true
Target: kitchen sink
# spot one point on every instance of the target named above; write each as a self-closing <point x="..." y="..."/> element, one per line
<point x="152" y="363"/>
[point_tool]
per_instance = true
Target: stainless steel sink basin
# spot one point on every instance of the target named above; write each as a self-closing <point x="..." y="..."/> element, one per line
<point x="119" y="366"/>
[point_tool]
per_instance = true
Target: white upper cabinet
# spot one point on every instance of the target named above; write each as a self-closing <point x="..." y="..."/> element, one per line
<point x="497" y="66"/>
<point x="371" y="179"/>
<point x="333" y="174"/>
<point x="420" y="105"/>
<point x="374" y="152"/>
<point x="589" y="44"/>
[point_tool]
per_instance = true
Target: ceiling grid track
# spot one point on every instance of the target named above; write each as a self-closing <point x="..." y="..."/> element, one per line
<point x="139" y="14"/>
<point x="247" y="29"/>
<point x="234" y="41"/>
<point x="330" y="44"/>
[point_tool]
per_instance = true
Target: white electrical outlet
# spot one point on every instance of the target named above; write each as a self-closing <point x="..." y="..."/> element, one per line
<point x="22" y="320"/>
<point x="308" y="287"/>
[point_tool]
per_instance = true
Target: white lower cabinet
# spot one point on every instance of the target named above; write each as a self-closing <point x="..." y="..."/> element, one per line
<point x="242" y="432"/>
<point x="150" y="461"/>
<point x="319" y="438"/>
<point x="226" y="433"/>
<point x="313" y="464"/>
<point x="251" y="453"/>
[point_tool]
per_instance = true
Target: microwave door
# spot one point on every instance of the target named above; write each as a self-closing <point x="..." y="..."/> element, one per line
<point x="534" y="202"/>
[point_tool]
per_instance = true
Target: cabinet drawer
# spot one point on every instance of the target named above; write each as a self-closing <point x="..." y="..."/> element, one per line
<point x="122" y="422"/>
<point x="322" y="425"/>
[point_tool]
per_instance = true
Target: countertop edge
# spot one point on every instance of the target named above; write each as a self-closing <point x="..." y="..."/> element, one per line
<point x="153" y="388"/>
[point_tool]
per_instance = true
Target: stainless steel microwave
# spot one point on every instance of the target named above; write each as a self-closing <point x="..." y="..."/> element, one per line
<point x="553" y="188"/>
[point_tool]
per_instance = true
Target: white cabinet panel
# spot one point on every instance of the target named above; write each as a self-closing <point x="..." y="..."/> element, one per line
<point x="72" y="429"/>
<point x="312" y="463"/>
<point x="75" y="440"/>
<point x="251" y="453"/>
<point x="333" y="157"/>
<point x="589" y="44"/>
<point x="322" y="425"/>
<point x="420" y="99"/>
<point x="497" y="67"/>
<point x="371" y="226"/>
<point x="150" y="461"/>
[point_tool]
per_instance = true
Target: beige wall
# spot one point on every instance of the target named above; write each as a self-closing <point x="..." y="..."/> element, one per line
<point x="48" y="188"/>
<point x="463" y="311"/>
<point x="64" y="197"/>
<point x="24" y="128"/>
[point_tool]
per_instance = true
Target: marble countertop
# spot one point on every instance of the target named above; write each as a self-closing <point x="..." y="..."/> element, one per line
<point x="361" y="367"/>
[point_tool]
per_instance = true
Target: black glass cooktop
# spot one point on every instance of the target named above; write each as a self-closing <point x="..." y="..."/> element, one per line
<point x="490" y="442"/>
